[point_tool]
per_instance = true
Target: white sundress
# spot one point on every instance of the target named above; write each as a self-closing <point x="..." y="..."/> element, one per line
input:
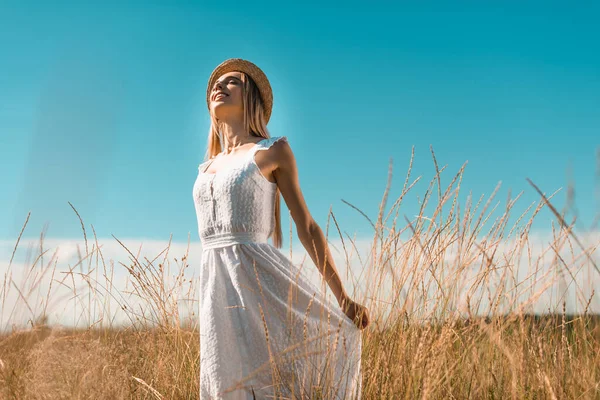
<point x="255" y="303"/>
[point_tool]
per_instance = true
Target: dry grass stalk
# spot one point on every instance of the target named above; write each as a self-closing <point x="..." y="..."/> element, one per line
<point x="451" y="295"/>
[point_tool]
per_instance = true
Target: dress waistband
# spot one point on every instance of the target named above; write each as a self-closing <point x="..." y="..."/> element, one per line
<point x="229" y="238"/>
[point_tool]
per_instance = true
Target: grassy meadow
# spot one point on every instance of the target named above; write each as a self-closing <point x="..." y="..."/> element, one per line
<point x="452" y="295"/>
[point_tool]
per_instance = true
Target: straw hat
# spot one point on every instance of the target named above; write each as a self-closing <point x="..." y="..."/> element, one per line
<point x="257" y="75"/>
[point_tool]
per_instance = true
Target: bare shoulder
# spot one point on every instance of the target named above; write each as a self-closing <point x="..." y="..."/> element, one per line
<point x="282" y="153"/>
<point x="277" y="161"/>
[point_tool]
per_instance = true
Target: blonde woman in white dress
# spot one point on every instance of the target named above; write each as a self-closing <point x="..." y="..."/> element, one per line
<point x="266" y="331"/>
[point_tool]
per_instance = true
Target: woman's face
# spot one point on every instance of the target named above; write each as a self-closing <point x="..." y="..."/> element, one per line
<point x="226" y="95"/>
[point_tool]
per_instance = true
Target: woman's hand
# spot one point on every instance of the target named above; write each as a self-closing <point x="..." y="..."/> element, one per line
<point x="358" y="313"/>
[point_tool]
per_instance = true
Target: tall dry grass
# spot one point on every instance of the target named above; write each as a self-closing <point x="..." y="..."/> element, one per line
<point x="451" y="304"/>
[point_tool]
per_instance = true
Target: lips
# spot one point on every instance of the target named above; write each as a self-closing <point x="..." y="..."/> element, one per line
<point x="219" y="95"/>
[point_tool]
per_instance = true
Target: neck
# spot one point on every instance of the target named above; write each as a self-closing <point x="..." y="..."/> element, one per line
<point x="233" y="134"/>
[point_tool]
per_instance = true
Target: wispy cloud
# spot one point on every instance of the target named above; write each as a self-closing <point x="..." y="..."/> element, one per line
<point x="72" y="289"/>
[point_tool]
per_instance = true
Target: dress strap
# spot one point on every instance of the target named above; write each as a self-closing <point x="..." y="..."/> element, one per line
<point x="204" y="166"/>
<point x="265" y="144"/>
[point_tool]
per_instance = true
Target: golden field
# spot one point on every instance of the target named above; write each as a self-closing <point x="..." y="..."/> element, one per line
<point x="452" y="294"/>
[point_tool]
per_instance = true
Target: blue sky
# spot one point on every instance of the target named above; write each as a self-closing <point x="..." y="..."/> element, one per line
<point x="104" y="105"/>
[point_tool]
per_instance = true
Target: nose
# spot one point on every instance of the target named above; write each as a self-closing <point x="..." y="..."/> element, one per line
<point x="216" y="88"/>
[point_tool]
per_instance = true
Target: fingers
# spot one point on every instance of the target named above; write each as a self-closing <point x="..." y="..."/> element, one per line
<point x="363" y="318"/>
<point x="357" y="313"/>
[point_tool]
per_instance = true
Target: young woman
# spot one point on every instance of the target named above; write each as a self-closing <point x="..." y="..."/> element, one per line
<point x="266" y="331"/>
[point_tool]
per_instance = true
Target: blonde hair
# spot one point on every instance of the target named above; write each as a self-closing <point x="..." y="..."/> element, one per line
<point x="254" y="122"/>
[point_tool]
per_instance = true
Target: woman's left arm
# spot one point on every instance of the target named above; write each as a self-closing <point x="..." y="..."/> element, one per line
<point x="283" y="166"/>
<point x="310" y="234"/>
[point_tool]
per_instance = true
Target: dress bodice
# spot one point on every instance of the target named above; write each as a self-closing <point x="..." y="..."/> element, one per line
<point x="237" y="200"/>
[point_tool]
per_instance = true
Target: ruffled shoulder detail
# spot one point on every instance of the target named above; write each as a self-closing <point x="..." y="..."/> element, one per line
<point x="265" y="144"/>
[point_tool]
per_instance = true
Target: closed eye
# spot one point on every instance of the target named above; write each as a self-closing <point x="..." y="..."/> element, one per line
<point x="231" y="80"/>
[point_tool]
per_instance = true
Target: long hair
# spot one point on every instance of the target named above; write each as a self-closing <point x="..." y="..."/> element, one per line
<point x="254" y="122"/>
